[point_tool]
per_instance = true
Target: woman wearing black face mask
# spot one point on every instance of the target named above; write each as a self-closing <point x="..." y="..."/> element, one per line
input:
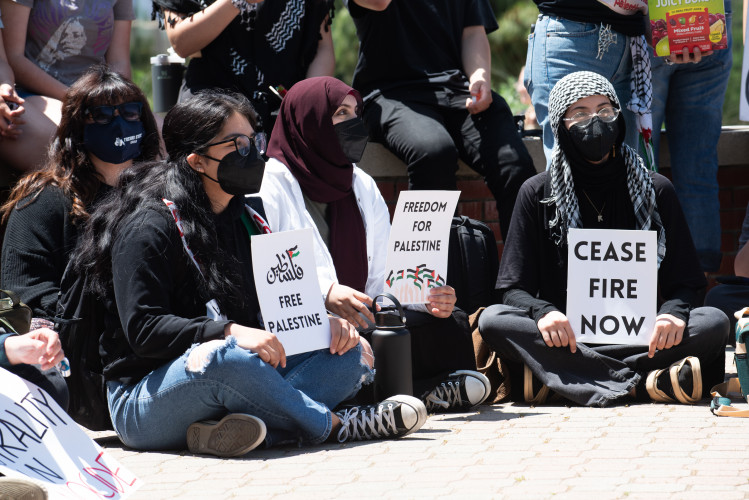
<point x="106" y="125"/>
<point x="596" y="181"/>
<point x="186" y="359"/>
<point x="311" y="182"/>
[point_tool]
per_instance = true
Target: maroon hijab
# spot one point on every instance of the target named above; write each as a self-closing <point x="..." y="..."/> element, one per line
<point x="303" y="139"/>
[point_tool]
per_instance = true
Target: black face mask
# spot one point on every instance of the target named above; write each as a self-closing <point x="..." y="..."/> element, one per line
<point x="239" y="175"/>
<point x="595" y="140"/>
<point x="115" y="142"/>
<point x="352" y="135"/>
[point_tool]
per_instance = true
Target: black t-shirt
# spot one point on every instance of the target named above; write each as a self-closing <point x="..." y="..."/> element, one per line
<point x="277" y="50"/>
<point x="415" y="42"/>
<point x="591" y="11"/>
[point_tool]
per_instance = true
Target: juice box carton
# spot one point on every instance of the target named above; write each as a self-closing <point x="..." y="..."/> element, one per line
<point x="687" y="23"/>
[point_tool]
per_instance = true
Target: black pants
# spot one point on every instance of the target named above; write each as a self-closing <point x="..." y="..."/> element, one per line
<point x="430" y="130"/>
<point x="51" y="381"/>
<point x="596" y="375"/>
<point x="729" y="298"/>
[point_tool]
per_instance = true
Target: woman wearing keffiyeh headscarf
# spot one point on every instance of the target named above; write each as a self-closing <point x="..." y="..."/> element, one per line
<point x="595" y="181"/>
<point x="311" y="181"/>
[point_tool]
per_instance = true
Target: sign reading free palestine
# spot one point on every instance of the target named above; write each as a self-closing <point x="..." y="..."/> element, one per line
<point x="288" y="290"/>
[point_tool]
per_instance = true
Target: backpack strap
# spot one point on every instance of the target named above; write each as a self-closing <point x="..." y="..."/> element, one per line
<point x="213" y="309"/>
<point x="720" y="405"/>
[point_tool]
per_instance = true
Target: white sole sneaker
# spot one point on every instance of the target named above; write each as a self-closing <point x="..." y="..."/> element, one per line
<point x="413" y="413"/>
<point x="234" y="435"/>
<point x="395" y="417"/>
<point x="477" y="386"/>
<point x="462" y="390"/>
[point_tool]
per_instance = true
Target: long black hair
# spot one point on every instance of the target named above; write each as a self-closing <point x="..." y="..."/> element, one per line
<point x="188" y="127"/>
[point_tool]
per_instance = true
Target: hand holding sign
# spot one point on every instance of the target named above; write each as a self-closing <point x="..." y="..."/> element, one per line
<point x="441" y="301"/>
<point x="289" y="296"/>
<point x="417" y="249"/>
<point x="261" y="342"/>
<point x="611" y="286"/>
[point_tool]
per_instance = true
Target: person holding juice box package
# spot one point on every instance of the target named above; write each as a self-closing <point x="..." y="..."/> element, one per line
<point x="424" y="72"/>
<point x="602" y="36"/>
<point x="689" y="88"/>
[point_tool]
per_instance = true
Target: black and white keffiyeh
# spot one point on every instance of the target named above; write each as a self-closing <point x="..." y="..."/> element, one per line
<point x="566" y="92"/>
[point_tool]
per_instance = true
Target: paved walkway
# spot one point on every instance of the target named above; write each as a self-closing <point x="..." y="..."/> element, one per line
<point x="502" y="451"/>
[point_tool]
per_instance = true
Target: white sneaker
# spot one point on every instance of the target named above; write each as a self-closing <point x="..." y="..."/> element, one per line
<point x="395" y="417"/>
<point x="462" y="390"/>
<point x="232" y="436"/>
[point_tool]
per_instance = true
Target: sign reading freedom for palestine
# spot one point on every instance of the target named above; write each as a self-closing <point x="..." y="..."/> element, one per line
<point x="612" y="281"/>
<point x="38" y="440"/>
<point x="288" y="290"/>
<point x="417" y="249"/>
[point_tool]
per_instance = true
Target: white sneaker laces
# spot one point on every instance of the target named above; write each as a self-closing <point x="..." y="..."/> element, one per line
<point x="444" y="395"/>
<point x="369" y="424"/>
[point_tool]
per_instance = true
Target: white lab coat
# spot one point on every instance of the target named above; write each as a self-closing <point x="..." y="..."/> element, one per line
<point x="285" y="210"/>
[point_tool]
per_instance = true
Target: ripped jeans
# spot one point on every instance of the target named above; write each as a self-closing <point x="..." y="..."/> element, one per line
<point x="294" y="402"/>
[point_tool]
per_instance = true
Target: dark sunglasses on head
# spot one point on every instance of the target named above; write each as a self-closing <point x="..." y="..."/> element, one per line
<point x="243" y="144"/>
<point x="129" y="111"/>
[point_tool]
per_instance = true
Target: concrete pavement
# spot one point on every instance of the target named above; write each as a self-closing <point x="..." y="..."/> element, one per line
<point x="501" y="451"/>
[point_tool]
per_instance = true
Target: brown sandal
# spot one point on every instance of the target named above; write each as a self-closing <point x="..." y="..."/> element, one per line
<point x="533" y="399"/>
<point x="660" y="396"/>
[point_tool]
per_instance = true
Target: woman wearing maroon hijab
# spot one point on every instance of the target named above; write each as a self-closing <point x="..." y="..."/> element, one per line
<point x="311" y="181"/>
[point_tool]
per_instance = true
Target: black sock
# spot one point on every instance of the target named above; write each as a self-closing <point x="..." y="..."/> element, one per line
<point x="663" y="382"/>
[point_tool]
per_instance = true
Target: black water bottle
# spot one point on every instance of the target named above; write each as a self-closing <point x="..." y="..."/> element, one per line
<point x="391" y="343"/>
<point x="166" y="79"/>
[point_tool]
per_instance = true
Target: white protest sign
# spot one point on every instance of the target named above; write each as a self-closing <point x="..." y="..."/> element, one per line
<point x="612" y="283"/>
<point x="417" y="249"/>
<point x="744" y="99"/>
<point x="38" y="440"/>
<point x="288" y="290"/>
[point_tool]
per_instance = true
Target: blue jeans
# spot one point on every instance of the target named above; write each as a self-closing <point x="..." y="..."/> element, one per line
<point x="294" y="402"/>
<point x="689" y="97"/>
<point x="558" y="47"/>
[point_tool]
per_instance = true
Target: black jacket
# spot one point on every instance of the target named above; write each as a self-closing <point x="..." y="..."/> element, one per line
<point x="159" y="309"/>
<point x="38" y="242"/>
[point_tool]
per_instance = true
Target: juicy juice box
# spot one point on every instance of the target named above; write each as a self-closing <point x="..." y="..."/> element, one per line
<point x="687" y="23"/>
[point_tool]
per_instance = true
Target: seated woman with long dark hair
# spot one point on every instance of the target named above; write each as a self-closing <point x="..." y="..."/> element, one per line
<point x="595" y="181"/>
<point x="170" y="253"/>
<point x="106" y="125"/>
<point x="311" y="181"/>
